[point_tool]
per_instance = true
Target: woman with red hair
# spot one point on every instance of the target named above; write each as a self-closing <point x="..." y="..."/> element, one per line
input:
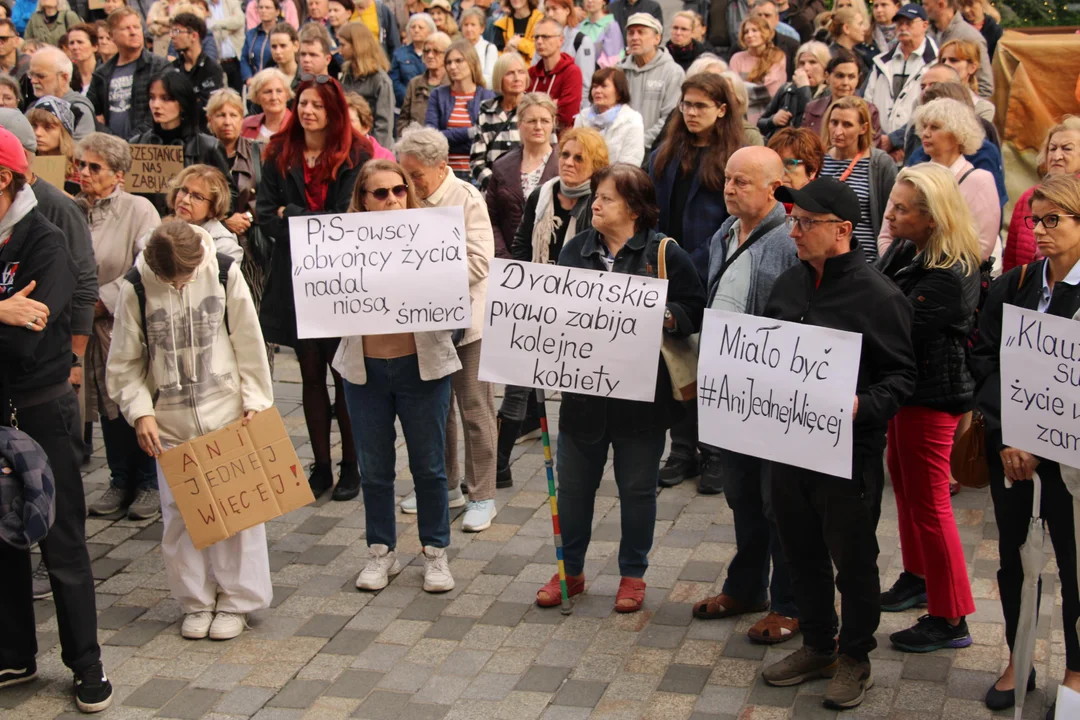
<point x="310" y="167"/>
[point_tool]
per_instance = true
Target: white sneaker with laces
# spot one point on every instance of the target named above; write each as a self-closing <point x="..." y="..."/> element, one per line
<point x="455" y="496"/>
<point x="478" y="515"/>
<point x="382" y="563"/>
<point x="196" y="625"/>
<point x="227" y="625"/>
<point x="437" y="577"/>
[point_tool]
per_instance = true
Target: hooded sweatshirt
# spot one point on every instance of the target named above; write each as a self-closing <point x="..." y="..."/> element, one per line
<point x="199" y="377"/>
<point x="655" y="90"/>
<point x="564" y="86"/>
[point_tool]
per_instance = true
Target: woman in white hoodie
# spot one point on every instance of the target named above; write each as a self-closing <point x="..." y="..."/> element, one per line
<point x="610" y="115"/>
<point x="188" y="362"/>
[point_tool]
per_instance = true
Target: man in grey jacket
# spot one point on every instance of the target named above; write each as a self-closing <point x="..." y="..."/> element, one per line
<point x="50" y="74"/>
<point x="749" y="251"/>
<point x="948" y="25"/>
<point x="655" y="79"/>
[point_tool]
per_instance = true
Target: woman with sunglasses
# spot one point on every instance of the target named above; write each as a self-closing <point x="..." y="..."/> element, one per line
<point x="118" y="220"/>
<point x="309" y="168"/>
<point x="1049" y="285"/>
<point x="418" y="92"/>
<point x="404" y="376"/>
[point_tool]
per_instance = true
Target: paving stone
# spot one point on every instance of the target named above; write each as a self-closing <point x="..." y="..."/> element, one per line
<point x="112" y="618"/>
<point x="138" y="633"/>
<point x="540" y="678"/>
<point x="702" y="571"/>
<point x="504" y="613"/>
<point x="740" y="646"/>
<point x="155" y="693"/>
<point x="688" y="679"/>
<point x="349" y="642"/>
<point x="423" y="711"/>
<point x="506" y="565"/>
<point x="317" y="525"/>
<point x="927" y="667"/>
<point x="298" y="694"/>
<point x="244" y="700"/>
<point x="104" y="568"/>
<point x="424" y="607"/>
<point x="382" y="705"/>
<point x="673" y="614"/>
<point x="191" y="704"/>
<point x="661" y="636"/>
<point x="406" y="677"/>
<point x="354" y="684"/>
<point x="320" y="554"/>
<point x="580" y="693"/>
<point x="281" y="594"/>
<point x="764" y="694"/>
<point x="810" y="708"/>
<point x="450" y="628"/>
<point x="324" y="626"/>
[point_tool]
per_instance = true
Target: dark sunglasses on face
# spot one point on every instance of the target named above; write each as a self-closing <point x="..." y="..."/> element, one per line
<point x="320" y="79"/>
<point x="95" y="168"/>
<point x="381" y="194"/>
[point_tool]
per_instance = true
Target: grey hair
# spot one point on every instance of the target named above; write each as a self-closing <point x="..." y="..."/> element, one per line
<point x="703" y="63"/>
<point x="427" y="145"/>
<point x="57" y="58"/>
<point x="115" y="152"/>
<point x="537" y="99"/>
<point x="221" y="98"/>
<point x="955" y="118"/>
<point x="425" y="18"/>
<point x="266" y="75"/>
<point x="819" y="50"/>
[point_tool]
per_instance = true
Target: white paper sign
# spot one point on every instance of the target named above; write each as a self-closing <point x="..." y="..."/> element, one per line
<point x="1040" y="384"/>
<point x="1068" y="703"/>
<point x="778" y="390"/>
<point x="374" y="273"/>
<point x="583" y="331"/>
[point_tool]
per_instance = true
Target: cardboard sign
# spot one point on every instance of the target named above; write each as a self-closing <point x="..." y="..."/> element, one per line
<point x="52" y="169"/>
<point x="153" y="167"/>
<point x="778" y="390"/>
<point x="582" y="331"/>
<point x="1040" y="384"/>
<point x="235" y="478"/>
<point x="97" y="4"/>
<point x="374" y="273"/>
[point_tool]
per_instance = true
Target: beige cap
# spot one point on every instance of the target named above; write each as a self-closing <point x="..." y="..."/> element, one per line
<point x="645" y="19"/>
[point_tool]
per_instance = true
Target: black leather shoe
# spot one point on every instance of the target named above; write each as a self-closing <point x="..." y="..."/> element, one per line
<point x="348" y="485"/>
<point x="320" y="478"/>
<point x="1005" y="699"/>
<point x="676" y="469"/>
<point x="711" y="481"/>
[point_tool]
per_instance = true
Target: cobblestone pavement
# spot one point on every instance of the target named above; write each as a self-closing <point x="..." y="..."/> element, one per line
<point x="484" y="650"/>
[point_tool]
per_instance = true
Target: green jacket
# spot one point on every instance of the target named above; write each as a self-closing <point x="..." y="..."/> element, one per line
<point x="38" y="29"/>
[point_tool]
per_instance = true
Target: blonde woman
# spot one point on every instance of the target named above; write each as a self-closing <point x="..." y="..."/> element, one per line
<point x="850" y="29"/>
<point x="496" y="129"/>
<point x="272" y="90"/>
<point x="949" y="130"/>
<point x="365" y="72"/>
<point x="935" y="263"/>
<point x="760" y="63"/>
<point x="199" y="195"/>
<point x="787" y="106"/>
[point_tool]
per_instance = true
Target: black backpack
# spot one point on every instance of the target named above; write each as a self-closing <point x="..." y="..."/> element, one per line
<point x="135" y="278"/>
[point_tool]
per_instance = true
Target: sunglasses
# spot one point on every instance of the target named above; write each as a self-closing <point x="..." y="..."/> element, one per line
<point x="320" y="79"/>
<point x="95" y="168"/>
<point x="381" y="194"/>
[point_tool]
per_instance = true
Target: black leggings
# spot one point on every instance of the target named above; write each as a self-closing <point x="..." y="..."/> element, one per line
<point x="315" y="357"/>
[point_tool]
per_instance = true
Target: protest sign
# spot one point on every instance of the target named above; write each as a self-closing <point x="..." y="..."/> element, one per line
<point x="583" y="331"/>
<point x="235" y="478"/>
<point x="153" y="167"/>
<point x="1040" y="384"/>
<point x="52" y="169"/>
<point x="778" y="390"/>
<point x="374" y="273"/>
<point x="97" y="4"/>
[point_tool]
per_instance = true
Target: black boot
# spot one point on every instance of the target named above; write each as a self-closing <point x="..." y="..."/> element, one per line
<point x="348" y="485"/>
<point x="320" y="478"/>
<point x="508" y="435"/>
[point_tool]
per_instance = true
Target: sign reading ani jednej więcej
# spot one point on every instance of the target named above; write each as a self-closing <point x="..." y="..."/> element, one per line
<point x="778" y="390"/>
<point x="1040" y="384"/>
<point x="375" y="273"/>
<point x="583" y="331"/>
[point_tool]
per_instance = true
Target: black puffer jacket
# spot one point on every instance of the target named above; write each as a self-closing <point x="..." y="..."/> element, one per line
<point x="944" y="301"/>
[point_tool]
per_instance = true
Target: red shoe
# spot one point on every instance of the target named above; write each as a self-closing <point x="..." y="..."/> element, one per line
<point x="551" y="594"/>
<point x="631" y="595"/>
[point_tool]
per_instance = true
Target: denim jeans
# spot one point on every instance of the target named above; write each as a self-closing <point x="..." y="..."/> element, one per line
<point x="130" y="467"/>
<point x="515" y="402"/>
<point x="684" y="433"/>
<point x="637" y="472"/>
<point x="394" y="389"/>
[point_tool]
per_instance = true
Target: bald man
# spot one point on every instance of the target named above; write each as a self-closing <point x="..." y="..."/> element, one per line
<point x="50" y="74"/>
<point x="751" y="249"/>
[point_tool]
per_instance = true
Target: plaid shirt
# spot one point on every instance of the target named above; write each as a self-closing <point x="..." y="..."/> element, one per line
<point x="27" y="490"/>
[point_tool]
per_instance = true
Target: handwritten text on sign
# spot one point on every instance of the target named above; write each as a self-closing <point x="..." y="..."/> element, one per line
<point x="778" y="390"/>
<point x="1040" y="384"/>
<point x="374" y="273"/>
<point x="582" y="331"/>
<point x="153" y="167"/>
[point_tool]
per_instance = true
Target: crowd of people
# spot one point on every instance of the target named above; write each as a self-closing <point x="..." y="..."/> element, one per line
<point x="835" y="167"/>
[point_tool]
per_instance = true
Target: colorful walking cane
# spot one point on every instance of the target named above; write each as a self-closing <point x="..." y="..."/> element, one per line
<point x="566" y="608"/>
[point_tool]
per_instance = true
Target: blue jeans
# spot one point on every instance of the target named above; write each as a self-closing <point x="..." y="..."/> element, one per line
<point x="131" y="468"/>
<point x="637" y="472"/>
<point x="757" y="540"/>
<point x="394" y="389"/>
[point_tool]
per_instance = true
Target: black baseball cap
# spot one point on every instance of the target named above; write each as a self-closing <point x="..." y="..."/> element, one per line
<point x="912" y="11"/>
<point x="824" y="195"/>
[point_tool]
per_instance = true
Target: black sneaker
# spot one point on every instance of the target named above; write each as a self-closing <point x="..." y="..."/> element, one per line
<point x="676" y="469"/>
<point x="40" y="581"/>
<point x="320" y="478"/>
<point x="710" y="482"/>
<point x="907" y="592"/>
<point x="932" y="633"/>
<point x="17" y="676"/>
<point x="93" y="691"/>
<point x="348" y="485"/>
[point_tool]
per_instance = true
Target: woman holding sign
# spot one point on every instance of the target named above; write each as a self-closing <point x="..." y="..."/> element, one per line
<point x="310" y="168"/>
<point x="935" y="262"/>
<point x="622" y="240"/>
<point x="1048" y="286"/>
<point x="186" y="361"/>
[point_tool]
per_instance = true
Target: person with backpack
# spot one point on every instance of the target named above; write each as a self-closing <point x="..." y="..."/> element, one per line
<point x="187" y="359"/>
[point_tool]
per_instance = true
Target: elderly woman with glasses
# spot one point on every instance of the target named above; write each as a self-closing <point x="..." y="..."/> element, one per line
<point x="199" y="195"/>
<point x="414" y="106"/>
<point x="118" y="221"/>
<point x="802" y="152"/>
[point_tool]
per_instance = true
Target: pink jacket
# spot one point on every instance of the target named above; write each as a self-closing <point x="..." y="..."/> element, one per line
<point x="1020" y="246"/>
<point x="379" y="152"/>
<point x="252" y="14"/>
<point x="743" y="62"/>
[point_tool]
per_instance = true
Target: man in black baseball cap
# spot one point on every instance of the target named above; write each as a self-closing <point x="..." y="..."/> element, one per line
<point x="823" y="519"/>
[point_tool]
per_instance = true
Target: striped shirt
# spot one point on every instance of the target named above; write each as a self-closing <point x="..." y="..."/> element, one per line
<point x="495" y="133"/>
<point x="859" y="181"/>
<point x="459" y="118"/>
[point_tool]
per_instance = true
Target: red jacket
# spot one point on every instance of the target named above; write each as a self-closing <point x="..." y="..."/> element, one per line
<point x="563" y="85"/>
<point x="1020" y="246"/>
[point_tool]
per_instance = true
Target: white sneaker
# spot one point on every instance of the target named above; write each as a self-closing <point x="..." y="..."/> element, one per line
<point x="455" y="496"/>
<point x="437" y="577"/>
<point x="227" y="625"/>
<point x="197" y="625"/>
<point x="478" y="515"/>
<point x="382" y="562"/>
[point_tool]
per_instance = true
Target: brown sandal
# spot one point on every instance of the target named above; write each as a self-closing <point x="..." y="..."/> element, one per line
<point x="723" y="606"/>
<point x="551" y="594"/>
<point x="631" y="595"/>
<point x="774" y="628"/>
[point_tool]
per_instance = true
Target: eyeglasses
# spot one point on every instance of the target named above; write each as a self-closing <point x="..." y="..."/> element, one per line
<point x="685" y="107"/>
<point x="381" y="194"/>
<point x="792" y="164"/>
<point x="1048" y="221"/>
<point x="320" y="79"/>
<point x="179" y="31"/>
<point x="95" y="168"/>
<point x="806" y="224"/>
<point x="195" y="197"/>
<point x="546" y="37"/>
<point x="5" y="38"/>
